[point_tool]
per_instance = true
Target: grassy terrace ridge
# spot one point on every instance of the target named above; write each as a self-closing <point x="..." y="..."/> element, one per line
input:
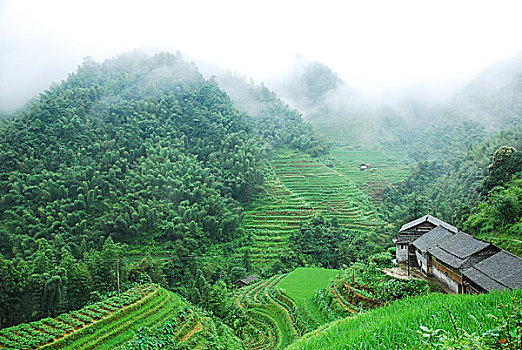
<point x="329" y="192"/>
<point x="281" y="309"/>
<point x="273" y="217"/>
<point x="303" y="281"/>
<point x="103" y="325"/>
<point x="301" y="284"/>
<point x="351" y="148"/>
<point x="395" y="326"/>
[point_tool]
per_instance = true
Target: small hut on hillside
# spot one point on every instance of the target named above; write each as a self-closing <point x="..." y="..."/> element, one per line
<point x="246" y="281"/>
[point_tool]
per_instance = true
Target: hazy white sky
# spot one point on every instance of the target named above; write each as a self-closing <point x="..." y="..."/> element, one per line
<point x="371" y="44"/>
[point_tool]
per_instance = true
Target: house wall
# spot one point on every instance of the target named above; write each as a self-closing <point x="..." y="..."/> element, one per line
<point x="448" y="281"/>
<point x="401" y="254"/>
<point x="472" y="288"/>
<point x="422" y="260"/>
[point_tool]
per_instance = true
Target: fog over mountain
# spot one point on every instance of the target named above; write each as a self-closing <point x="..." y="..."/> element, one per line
<point x="402" y="51"/>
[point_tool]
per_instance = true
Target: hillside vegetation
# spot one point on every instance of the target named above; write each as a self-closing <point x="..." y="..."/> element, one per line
<point x="96" y="326"/>
<point x="143" y="317"/>
<point x="396" y="325"/>
<point x="281" y="309"/>
<point x="136" y="150"/>
<point x="140" y="173"/>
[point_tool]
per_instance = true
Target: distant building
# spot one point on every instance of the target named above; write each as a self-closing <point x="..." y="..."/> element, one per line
<point x="246" y="281"/>
<point x="364" y="166"/>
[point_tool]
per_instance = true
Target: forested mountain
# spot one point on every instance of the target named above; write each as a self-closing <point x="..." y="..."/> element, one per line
<point x="136" y="150"/>
<point x="139" y="170"/>
<point x="278" y="122"/>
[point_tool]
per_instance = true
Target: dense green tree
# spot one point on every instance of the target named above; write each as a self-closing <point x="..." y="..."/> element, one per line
<point x="12" y="283"/>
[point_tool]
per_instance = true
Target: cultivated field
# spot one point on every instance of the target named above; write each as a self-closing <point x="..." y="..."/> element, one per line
<point x="357" y="142"/>
<point x="282" y="309"/>
<point x="397" y="323"/>
<point x="327" y="191"/>
<point x="273" y="217"/>
<point x="104" y="325"/>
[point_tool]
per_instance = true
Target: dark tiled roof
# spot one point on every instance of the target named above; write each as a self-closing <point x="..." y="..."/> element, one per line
<point x="456" y="249"/>
<point x="445" y="257"/>
<point x="432" y="238"/>
<point x="499" y="271"/>
<point x="463" y="245"/>
<point x="249" y="279"/>
<point x="431" y="219"/>
<point x="405" y="238"/>
<point x="482" y="280"/>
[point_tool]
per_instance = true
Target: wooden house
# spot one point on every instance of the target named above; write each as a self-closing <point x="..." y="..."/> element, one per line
<point x="449" y="258"/>
<point x="500" y="271"/>
<point x="413" y="230"/>
<point x="426" y="241"/>
<point x="246" y="281"/>
<point x="460" y="261"/>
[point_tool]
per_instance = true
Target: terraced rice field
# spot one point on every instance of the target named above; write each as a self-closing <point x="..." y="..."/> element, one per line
<point x="103" y="325"/>
<point x="281" y="309"/>
<point x="274" y="319"/>
<point x="299" y="188"/>
<point x="360" y="142"/>
<point x="328" y="192"/>
<point x="273" y="218"/>
<point x="182" y="326"/>
<point x="301" y="285"/>
<point x="271" y="324"/>
<point x="384" y="170"/>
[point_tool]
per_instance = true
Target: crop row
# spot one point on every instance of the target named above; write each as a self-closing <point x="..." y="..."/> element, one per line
<point x="327" y="191"/>
<point x="175" y="323"/>
<point x="272" y="315"/>
<point x="48" y="330"/>
<point x="97" y="335"/>
<point x="272" y="219"/>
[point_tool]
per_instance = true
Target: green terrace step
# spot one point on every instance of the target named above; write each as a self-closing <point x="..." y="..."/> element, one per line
<point x="272" y="219"/>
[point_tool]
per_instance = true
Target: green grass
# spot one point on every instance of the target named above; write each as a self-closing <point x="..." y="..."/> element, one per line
<point x="301" y="283"/>
<point x="395" y="326"/>
<point x="113" y="325"/>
